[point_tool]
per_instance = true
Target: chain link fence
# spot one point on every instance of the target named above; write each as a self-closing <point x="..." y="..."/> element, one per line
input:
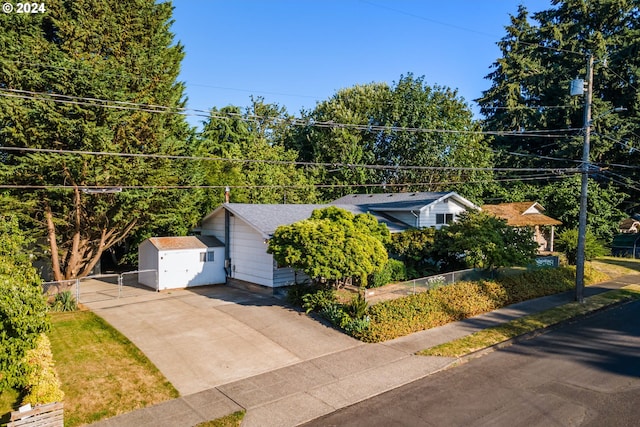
<point x="423" y="284"/>
<point x="99" y="286"/>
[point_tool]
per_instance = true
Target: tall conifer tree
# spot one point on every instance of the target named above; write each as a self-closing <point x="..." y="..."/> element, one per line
<point x="55" y="70"/>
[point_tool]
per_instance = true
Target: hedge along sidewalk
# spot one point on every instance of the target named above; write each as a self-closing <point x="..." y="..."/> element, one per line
<point x="497" y="335"/>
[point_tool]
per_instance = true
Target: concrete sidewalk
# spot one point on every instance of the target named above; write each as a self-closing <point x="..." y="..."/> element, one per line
<point x="303" y="391"/>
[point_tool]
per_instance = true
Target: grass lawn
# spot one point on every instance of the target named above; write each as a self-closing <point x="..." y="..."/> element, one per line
<point x="495" y="335"/>
<point x="232" y="420"/>
<point x="615" y="266"/>
<point x="103" y="374"/>
<point x="9" y="401"/>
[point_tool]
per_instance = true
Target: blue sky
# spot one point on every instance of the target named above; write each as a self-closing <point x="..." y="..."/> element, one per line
<point x="295" y="53"/>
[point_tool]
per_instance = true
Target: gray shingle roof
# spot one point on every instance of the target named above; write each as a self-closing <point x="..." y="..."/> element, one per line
<point x="392" y="201"/>
<point x="266" y="218"/>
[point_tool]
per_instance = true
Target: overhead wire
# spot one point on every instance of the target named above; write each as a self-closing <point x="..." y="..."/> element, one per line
<point x="277" y="162"/>
<point x="271" y="186"/>
<point x="154" y="108"/>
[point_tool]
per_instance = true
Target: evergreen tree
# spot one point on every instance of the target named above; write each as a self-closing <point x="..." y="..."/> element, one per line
<point x="56" y="66"/>
<point x="541" y="54"/>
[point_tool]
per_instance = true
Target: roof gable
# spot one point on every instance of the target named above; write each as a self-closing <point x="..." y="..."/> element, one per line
<point x="521" y="214"/>
<point x="390" y="202"/>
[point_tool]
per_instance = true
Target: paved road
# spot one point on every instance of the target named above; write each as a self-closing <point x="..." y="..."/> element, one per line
<point x="586" y="373"/>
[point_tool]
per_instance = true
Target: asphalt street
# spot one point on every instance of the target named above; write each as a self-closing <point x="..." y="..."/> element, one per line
<point x="586" y="373"/>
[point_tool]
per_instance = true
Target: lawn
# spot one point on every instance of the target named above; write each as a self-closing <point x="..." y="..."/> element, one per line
<point x="615" y="266"/>
<point x="103" y="374"/>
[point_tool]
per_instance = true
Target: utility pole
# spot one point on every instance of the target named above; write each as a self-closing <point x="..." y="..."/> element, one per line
<point x="582" y="221"/>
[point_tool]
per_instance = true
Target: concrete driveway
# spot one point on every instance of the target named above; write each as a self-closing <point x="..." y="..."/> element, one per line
<point x="209" y="336"/>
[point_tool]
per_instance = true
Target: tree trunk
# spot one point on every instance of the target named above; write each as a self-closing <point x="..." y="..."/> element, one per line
<point x="53" y="245"/>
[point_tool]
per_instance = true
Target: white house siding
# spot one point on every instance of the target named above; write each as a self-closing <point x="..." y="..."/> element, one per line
<point x="248" y="252"/>
<point x="287" y="276"/>
<point x="428" y="215"/>
<point x="214" y="226"/>
<point x="148" y="260"/>
<point x="184" y="268"/>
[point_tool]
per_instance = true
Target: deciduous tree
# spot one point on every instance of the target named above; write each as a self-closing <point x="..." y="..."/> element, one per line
<point x="484" y="241"/>
<point x="332" y="245"/>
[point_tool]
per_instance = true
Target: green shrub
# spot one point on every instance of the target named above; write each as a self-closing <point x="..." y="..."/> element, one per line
<point x="357" y="308"/>
<point x="335" y="314"/>
<point x="444" y="304"/>
<point x="64" y="301"/>
<point x="23" y="308"/>
<point x="567" y="242"/>
<point x="357" y="328"/>
<point x="394" y="271"/>
<point x="42" y="382"/>
<point x="296" y="292"/>
<point x="316" y="301"/>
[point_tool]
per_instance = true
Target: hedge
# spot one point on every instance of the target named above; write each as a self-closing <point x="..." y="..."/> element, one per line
<point x="442" y="305"/>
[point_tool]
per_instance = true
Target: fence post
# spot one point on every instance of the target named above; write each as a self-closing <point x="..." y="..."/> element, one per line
<point x="77" y="289"/>
<point x="119" y="284"/>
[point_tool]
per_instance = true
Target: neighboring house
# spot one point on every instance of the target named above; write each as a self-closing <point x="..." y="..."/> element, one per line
<point x="181" y="262"/>
<point x="417" y="210"/>
<point x="629" y="225"/>
<point x="246" y="228"/>
<point x="626" y="245"/>
<point x="530" y="215"/>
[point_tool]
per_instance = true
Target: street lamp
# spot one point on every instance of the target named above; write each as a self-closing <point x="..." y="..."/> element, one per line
<point x="576" y="89"/>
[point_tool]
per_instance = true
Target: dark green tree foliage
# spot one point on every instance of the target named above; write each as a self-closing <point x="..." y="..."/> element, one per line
<point x="484" y="241"/>
<point x="415" y="248"/>
<point x="120" y="51"/>
<point x="23" y="309"/>
<point x="541" y="54"/>
<point x="332" y="245"/>
<point x="603" y="204"/>
<point x="385" y="126"/>
<point x="255" y="136"/>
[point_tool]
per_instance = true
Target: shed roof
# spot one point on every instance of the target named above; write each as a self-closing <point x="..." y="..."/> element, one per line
<point x="521" y="214"/>
<point x="185" y="242"/>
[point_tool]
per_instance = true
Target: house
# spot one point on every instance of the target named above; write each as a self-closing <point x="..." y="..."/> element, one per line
<point x="629" y="225"/>
<point x="245" y="229"/>
<point x="181" y="262"/>
<point x="530" y="215"/>
<point x="417" y="210"/>
<point x="626" y="245"/>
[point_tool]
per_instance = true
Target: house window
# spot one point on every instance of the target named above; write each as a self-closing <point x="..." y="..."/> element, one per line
<point x="444" y="218"/>
<point x="207" y="256"/>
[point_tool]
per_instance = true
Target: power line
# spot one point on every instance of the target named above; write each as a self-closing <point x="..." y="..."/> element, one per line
<point x="281" y="162"/>
<point x="154" y="108"/>
<point x="269" y="186"/>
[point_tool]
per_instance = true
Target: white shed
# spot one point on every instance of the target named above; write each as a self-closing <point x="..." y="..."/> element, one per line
<point x="181" y="262"/>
